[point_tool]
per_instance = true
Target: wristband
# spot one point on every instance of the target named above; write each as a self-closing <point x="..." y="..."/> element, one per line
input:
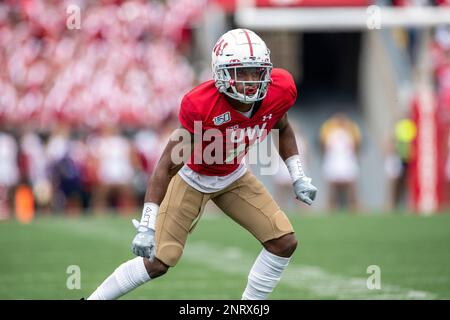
<point x="149" y="213"/>
<point x="295" y="168"/>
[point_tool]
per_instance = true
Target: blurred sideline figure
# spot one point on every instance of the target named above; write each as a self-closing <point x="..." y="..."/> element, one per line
<point x="64" y="173"/>
<point x="115" y="171"/>
<point x="144" y="143"/>
<point x="9" y="172"/>
<point x="340" y="140"/>
<point x="33" y="150"/>
<point x="398" y="153"/>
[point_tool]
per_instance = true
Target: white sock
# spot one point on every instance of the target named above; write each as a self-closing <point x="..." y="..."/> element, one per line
<point x="126" y="277"/>
<point x="264" y="275"/>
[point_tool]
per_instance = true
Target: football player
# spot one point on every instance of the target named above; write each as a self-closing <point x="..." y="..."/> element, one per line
<point x="246" y="93"/>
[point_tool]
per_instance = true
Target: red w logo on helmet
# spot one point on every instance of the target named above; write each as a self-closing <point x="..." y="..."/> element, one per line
<point x="218" y="47"/>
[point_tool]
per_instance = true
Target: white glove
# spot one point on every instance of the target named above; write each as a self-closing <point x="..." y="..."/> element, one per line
<point x="144" y="242"/>
<point x="304" y="190"/>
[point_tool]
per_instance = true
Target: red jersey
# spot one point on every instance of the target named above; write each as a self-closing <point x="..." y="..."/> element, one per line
<point x="206" y="105"/>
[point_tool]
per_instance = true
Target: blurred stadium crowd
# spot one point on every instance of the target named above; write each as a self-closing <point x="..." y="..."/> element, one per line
<point x="99" y="74"/>
<point x="84" y="113"/>
<point x="65" y="92"/>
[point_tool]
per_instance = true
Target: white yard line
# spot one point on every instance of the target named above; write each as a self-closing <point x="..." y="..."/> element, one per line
<point x="311" y="278"/>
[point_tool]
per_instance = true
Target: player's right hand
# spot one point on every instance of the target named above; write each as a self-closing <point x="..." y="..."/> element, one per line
<point x="144" y="242"/>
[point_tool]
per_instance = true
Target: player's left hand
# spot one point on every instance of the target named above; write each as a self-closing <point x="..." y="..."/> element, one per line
<point x="304" y="190"/>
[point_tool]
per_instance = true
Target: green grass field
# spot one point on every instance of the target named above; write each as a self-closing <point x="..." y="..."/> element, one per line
<point x="413" y="254"/>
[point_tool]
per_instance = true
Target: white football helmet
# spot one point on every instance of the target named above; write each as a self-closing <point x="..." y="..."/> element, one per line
<point x="241" y="48"/>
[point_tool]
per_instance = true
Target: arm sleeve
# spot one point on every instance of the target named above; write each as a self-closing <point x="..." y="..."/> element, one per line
<point x="188" y="114"/>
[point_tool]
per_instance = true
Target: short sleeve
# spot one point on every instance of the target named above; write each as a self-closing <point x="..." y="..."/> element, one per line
<point x="286" y="88"/>
<point x="292" y="89"/>
<point x="188" y="114"/>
